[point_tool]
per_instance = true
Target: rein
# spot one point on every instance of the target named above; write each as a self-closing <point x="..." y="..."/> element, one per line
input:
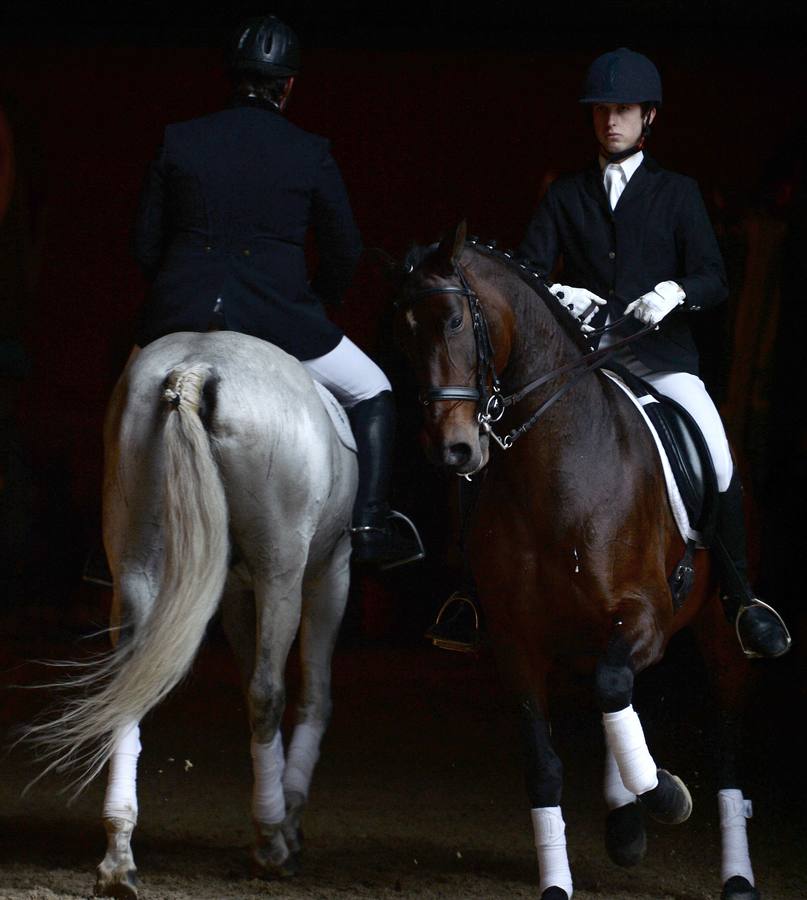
<point x="493" y="403"/>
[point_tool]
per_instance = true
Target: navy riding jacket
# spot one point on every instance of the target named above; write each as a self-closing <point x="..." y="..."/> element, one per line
<point x="222" y="224"/>
<point x="660" y="231"/>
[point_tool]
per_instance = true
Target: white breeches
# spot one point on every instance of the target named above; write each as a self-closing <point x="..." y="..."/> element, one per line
<point x="690" y="392"/>
<point x="348" y="373"/>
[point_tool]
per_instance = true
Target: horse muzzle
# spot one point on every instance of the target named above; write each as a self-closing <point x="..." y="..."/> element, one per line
<point x="462" y="453"/>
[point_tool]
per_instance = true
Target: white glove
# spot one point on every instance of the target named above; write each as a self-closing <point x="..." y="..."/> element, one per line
<point x="582" y="303"/>
<point x="651" y="308"/>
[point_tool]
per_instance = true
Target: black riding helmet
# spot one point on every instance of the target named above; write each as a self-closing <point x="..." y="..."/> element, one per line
<point x="622" y="76"/>
<point x="267" y="47"/>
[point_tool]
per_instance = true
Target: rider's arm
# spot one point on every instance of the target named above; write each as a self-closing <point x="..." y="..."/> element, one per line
<point x="540" y="244"/>
<point x="337" y="235"/>
<point x="149" y="230"/>
<point x="702" y="276"/>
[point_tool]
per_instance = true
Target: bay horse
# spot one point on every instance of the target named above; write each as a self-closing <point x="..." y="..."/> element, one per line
<point x="225" y="479"/>
<point x="572" y="539"/>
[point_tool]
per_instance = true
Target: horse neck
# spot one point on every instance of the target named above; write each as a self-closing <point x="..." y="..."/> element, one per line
<point x="541" y="345"/>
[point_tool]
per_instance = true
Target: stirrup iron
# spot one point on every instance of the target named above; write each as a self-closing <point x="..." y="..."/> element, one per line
<point x="447" y="643"/>
<point x="752" y="654"/>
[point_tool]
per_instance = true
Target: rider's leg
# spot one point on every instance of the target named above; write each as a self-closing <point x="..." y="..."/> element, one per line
<point x="760" y="629"/>
<point x="380" y="535"/>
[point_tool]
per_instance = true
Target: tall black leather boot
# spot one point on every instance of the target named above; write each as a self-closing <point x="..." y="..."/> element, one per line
<point x="380" y="535"/>
<point x="760" y="628"/>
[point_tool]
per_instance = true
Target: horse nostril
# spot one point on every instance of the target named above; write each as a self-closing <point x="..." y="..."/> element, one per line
<point x="458" y="454"/>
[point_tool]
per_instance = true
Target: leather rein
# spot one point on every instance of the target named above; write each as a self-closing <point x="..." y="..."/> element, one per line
<point x="488" y="395"/>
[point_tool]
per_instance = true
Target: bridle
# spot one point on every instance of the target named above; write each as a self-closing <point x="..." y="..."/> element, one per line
<point x="491" y="401"/>
<point x="485" y="365"/>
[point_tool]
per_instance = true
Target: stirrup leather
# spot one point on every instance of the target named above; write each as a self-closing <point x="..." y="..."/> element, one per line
<point x="752" y="654"/>
<point x="447" y="643"/>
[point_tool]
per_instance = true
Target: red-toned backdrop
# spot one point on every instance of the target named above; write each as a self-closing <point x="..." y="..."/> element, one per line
<point x="424" y="137"/>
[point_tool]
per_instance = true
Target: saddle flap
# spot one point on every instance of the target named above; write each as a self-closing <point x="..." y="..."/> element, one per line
<point x="686" y="450"/>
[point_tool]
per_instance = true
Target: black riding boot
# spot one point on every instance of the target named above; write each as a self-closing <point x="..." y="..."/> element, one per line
<point x="760" y="628"/>
<point x="380" y="535"/>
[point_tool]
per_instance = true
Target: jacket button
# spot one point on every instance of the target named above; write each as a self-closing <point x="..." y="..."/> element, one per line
<point x="611" y="255"/>
<point x="208" y="248"/>
<point x="246" y="252"/>
<point x="610" y="292"/>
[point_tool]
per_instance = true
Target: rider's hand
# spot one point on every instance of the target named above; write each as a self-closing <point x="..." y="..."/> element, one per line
<point x="651" y="308"/>
<point x="581" y="303"/>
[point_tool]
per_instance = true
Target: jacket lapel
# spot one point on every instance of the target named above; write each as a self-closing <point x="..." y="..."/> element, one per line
<point x="639" y="185"/>
<point x="596" y="189"/>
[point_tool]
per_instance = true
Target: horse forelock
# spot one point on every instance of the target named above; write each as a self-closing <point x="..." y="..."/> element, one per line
<point x="505" y="266"/>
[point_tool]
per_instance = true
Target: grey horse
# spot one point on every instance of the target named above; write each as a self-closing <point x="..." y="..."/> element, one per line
<point x="225" y="481"/>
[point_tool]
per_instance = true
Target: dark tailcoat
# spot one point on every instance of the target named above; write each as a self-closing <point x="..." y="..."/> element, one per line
<point x="222" y="223"/>
<point x="660" y="231"/>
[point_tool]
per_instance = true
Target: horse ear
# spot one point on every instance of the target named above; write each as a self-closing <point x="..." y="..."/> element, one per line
<point x="389" y="267"/>
<point x="452" y="245"/>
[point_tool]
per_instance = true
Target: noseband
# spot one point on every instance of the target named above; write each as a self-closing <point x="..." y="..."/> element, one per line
<point x="488" y="398"/>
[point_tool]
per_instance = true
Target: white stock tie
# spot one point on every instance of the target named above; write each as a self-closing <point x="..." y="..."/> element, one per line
<point x="614" y="183"/>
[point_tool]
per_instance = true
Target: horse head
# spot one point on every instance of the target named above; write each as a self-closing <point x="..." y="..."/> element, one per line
<point x="448" y="321"/>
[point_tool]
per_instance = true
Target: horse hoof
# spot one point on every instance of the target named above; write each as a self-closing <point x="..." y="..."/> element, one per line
<point x="669" y="802"/>
<point x="123" y="886"/>
<point x="275" y="871"/>
<point x="625" y="835"/>
<point x="554" y="893"/>
<point x="739" y="888"/>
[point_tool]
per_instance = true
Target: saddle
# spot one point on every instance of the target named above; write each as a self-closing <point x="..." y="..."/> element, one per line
<point x="693" y="472"/>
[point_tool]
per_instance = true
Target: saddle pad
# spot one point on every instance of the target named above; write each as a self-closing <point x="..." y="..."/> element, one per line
<point x="676" y="501"/>
<point x="338" y="416"/>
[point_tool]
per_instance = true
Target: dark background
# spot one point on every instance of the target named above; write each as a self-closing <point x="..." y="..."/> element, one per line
<point x="436" y="112"/>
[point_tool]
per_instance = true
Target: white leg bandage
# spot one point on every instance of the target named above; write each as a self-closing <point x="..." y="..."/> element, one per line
<point x="268" y="804"/>
<point x="303" y="756"/>
<point x="550" y="844"/>
<point x="734" y="811"/>
<point x="120" y="801"/>
<point x="625" y="739"/>
<point x="615" y="793"/>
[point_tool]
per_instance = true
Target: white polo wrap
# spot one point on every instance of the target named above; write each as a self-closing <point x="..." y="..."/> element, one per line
<point x="120" y="800"/>
<point x="735" y="810"/>
<point x="268" y="805"/>
<point x="550" y="844"/>
<point x="303" y="756"/>
<point x="625" y="739"/>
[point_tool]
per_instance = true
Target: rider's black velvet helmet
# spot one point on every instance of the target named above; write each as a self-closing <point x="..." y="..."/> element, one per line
<point x="266" y="46"/>
<point x="622" y="76"/>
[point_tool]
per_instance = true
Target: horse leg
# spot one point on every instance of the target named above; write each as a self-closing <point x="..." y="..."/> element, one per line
<point x="544" y="785"/>
<point x="278" y="602"/>
<point x="117" y="874"/>
<point x="625" y="835"/>
<point x="325" y="597"/>
<point x="663" y="795"/>
<point x="729" y="674"/>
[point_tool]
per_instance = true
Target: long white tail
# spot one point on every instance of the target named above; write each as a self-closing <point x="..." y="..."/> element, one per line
<point x="127" y="683"/>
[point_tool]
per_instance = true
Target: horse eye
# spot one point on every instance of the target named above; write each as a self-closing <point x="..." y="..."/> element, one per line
<point x="455" y="322"/>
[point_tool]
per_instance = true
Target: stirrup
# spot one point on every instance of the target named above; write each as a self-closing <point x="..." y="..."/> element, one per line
<point x="414" y="557"/>
<point x="418" y="552"/>
<point x="752" y="654"/>
<point x="445" y="643"/>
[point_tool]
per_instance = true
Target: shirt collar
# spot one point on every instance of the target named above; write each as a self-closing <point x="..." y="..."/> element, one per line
<point x="628" y="165"/>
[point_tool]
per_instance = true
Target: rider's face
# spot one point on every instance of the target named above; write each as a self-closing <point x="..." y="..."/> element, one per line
<point x="618" y="126"/>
